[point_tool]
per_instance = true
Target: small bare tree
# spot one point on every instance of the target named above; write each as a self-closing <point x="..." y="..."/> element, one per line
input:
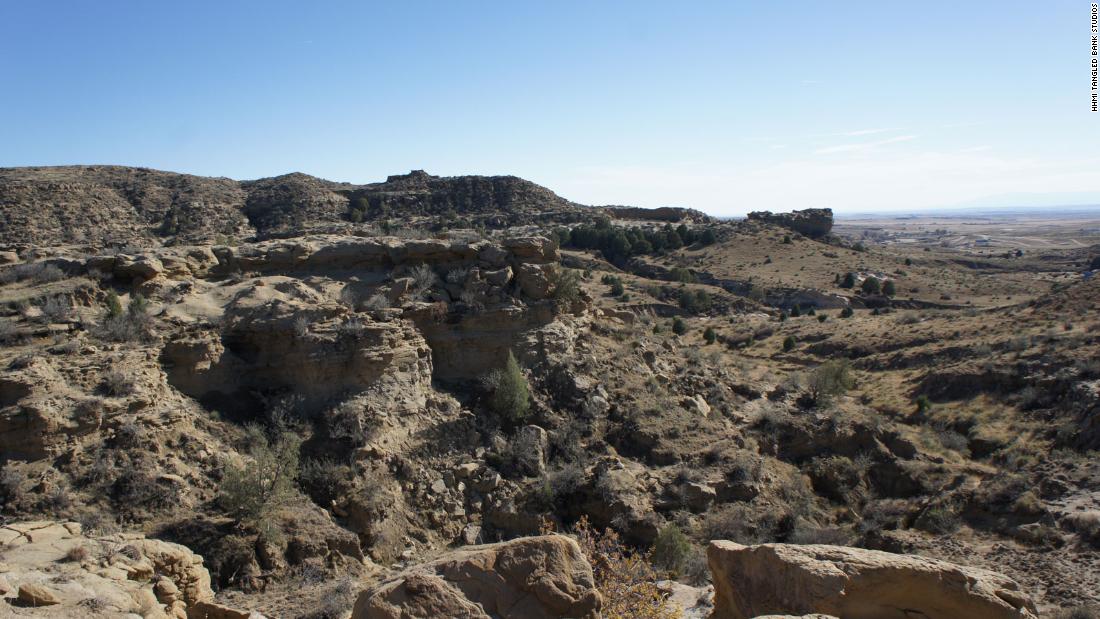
<point x="424" y="278"/>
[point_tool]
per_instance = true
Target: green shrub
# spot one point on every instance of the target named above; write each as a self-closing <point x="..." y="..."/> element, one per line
<point x="617" y="289"/>
<point x="821" y="317"/>
<point x="829" y="380"/>
<point x="871" y="285"/>
<point x="509" y="396"/>
<point x="889" y="288"/>
<point x="684" y="276"/>
<point x="671" y="550"/>
<point x="114" y="305"/>
<point x="253" y="491"/>
<point x="796" y="311"/>
<point x="678" y="326"/>
<point x="695" y="301"/>
<point x="923" y="404"/>
<point x="133" y="324"/>
<point x="849" y="280"/>
<point x="847" y="312"/>
<point x="709" y="335"/>
<point x="788" y="343"/>
<point x="566" y="287"/>
<point x="939" y="519"/>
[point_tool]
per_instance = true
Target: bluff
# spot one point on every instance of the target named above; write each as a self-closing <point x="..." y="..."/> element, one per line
<point x="812" y="222"/>
<point x="118" y="205"/>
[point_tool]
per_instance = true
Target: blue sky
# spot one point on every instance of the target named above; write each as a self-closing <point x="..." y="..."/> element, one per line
<point x="723" y="106"/>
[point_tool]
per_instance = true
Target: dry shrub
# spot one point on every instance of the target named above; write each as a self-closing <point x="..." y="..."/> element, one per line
<point x="626" y="578"/>
<point x="424" y="278"/>
<point x="77" y="554"/>
<point x="118" y="383"/>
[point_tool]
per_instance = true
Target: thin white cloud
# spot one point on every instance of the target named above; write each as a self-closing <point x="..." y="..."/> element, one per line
<point x="975" y="149"/>
<point x="778" y="146"/>
<point x="848" y="148"/>
<point x="866" y="132"/>
<point x="964" y="124"/>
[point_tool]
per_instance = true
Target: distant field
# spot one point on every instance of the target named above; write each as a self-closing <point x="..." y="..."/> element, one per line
<point x="999" y="232"/>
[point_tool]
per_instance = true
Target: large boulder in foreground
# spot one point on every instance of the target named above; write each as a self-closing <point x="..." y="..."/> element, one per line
<point x="855" y="584"/>
<point x="543" y="577"/>
<point x="52" y="570"/>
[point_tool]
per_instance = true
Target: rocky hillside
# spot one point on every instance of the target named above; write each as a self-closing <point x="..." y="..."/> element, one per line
<point x="343" y="419"/>
<point x="119" y="205"/>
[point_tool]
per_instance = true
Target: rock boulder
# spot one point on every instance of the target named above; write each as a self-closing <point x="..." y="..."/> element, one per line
<point x="532" y="578"/>
<point x="855" y="584"/>
<point x="52" y="568"/>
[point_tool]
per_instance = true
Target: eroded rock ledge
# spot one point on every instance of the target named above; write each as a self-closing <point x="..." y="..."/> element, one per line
<point x="853" y="583"/>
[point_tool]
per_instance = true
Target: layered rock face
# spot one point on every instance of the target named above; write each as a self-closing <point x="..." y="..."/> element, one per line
<point x="52" y="570"/>
<point x="531" y="578"/>
<point x="813" y="222"/>
<point x="855" y="584"/>
<point x="481" y="300"/>
<point x="499" y="200"/>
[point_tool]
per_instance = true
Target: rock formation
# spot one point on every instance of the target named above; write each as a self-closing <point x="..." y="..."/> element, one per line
<point x="855" y="584"/>
<point x="531" y="578"/>
<point x="813" y="222"/>
<point x="118" y="205"/>
<point x="52" y="568"/>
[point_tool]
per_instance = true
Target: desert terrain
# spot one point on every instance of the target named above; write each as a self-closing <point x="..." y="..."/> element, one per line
<point x="468" y="396"/>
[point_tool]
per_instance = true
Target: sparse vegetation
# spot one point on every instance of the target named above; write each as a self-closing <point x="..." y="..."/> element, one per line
<point x="408" y="447"/>
<point x="829" y="380"/>
<point x="36" y="272"/>
<point x="566" y="287"/>
<point x="679" y="327"/>
<point x="253" y="491"/>
<point x="625" y="577"/>
<point x="424" y="279"/>
<point x="871" y="285"/>
<point x="509" y="395"/>
<point x="671" y="550"/>
<point x="709" y="335"/>
<point x="134" y="324"/>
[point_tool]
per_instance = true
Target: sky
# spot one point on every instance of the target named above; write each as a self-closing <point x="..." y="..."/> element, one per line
<point x="727" y="106"/>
